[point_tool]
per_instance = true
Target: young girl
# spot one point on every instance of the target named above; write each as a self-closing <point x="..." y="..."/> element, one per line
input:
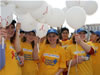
<point x="30" y="51"/>
<point x="52" y="55"/>
<point x="95" y="37"/>
<point x="79" y="54"/>
<point x="11" y="66"/>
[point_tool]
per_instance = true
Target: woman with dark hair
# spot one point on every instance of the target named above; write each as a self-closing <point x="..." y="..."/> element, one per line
<point x="52" y="55"/>
<point x="95" y="37"/>
<point x="11" y="65"/>
<point x="30" y="51"/>
<point x="22" y="34"/>
<point x="79" y="55"/>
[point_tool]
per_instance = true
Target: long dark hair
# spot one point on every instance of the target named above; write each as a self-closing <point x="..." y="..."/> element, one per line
<point x="98" y="38"/>
<point x="73" y="39"/>
<point x="24" y="38"/>
<point x="13" y="37"/>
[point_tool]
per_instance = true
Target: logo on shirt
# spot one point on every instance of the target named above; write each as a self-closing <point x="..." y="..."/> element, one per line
<point x="13" y="54"/>
<point x="50" y="55"/>
<point x="24" y="49"/>
<point x="48" y="61"/>
<point x="11" y="47"/>
<point x="79" y="52"/>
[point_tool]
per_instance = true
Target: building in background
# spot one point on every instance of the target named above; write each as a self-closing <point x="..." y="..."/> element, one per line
<point x="90" y="27"/>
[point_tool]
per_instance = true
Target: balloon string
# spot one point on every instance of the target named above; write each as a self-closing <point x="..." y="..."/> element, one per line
<point x="76" y="57"/>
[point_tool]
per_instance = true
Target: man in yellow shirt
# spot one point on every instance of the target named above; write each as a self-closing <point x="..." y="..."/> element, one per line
<point x="64" y="37"/>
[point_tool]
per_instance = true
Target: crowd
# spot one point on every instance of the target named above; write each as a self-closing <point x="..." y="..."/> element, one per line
<point x="24" y="53"/>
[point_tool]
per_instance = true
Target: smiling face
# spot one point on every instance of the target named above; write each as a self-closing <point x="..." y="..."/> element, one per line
<point x="82" y="35"/>
<point x="64" y="35"/>
<point x="10" y="31"/>
<point x="29" y="36"/>
<point x="52" y="38"/>
<point x="93" y="37"/>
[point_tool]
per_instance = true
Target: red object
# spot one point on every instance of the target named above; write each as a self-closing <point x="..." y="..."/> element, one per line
<point x="91" y="51"/>
<point x="65" y="73"/>
<point x="64" y="40"/>
<point x="13" y="54"/>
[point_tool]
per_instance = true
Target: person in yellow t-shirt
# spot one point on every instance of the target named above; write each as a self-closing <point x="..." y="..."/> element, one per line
<point x="29" y="48"/>
<point x="64" y="37"/>
<point x="95" y="37"/>
<point x="52" y="57"/>
<point x="11" y="67"/>
<point x="79" y="55"/>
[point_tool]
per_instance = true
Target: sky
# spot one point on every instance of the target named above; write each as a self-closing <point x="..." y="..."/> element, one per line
<point x="92" y="19"/>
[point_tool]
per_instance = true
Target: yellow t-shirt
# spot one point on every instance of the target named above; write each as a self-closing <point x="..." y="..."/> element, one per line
<point x="66" y="43"/>
<point x="30" y="67"/>
<point x="96" y="59"/>
<point x="42" y="44"/>
<point x="11" y="66"/>
<point x="51" y="59"/>
<point x="85" y="68"/>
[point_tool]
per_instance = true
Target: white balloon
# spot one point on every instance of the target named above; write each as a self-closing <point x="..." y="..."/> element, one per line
<point x="65" y="9"/>
<point x="2" y="3"/>
<point x="27" y="22"/>
<point x="89" y="6"/>
<point x="42" y="16"/>
<point x="9" y="19"/>
<point x="40" y="12"/>
<point x="6" y="15"/>
<point x="41" y="29"/>
<point x="28" y="6"/>
<point x="72" y="3"/>
<point x="55" y="18"/>
<point x="76" y="17"/>
<point x="20" y="11"/>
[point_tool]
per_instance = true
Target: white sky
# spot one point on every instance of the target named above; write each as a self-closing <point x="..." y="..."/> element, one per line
<point x="92" y="19"/>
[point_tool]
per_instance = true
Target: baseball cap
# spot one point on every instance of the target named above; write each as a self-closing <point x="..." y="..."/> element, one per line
<point x="81" y="30"/>
<point x="96" y="32"/>
<point x="52" y="31"/>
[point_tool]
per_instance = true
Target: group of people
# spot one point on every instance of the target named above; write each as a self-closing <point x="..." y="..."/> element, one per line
<point x="54" y="54"/>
